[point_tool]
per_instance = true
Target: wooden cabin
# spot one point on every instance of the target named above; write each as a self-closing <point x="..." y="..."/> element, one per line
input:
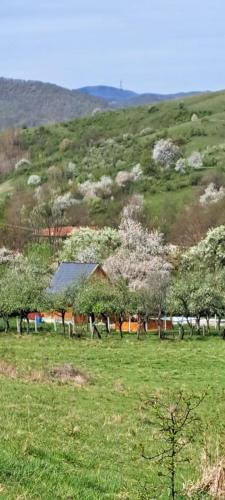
<point x="69" y="274"/>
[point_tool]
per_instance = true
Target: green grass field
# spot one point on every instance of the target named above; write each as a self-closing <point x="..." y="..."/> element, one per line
<point x="63" y="441"/>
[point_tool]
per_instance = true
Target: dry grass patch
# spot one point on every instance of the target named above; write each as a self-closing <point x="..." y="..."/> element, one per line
<point x="119" y="386"/>
<point x="68" y="373"/>
<point x="212" y="481"/>
<point x="8" y="370"/>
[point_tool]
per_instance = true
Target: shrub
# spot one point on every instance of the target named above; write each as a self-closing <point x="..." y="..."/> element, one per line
<point x="22" y="164"/>
<point x="195" y="160"/>
<point x="65" y="144"/>
<point x="146" y="131"/>
<point x="123" y="177"/>
<point x="212" y="194"/>
<point x="91" y="189"/>
<point x="180" y="165"/>
<point x="34" y="180"/>
<point x="165" y="153"/>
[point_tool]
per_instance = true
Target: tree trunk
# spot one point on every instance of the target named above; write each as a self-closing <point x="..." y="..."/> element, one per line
<point x="121" y="326"/>
<point x="198" y="324"/>
<point x="140" y="326"/>
<point x="21" y="325"/>
<point x="63" y="322"/>
<point x="105" y="319"/>
<point x="70" y="330"/>
<point x="95" y="329"/>
<point x="190" y="325"/>
<point x="181" y="328"/>
<point x="28" y="325"/>
<point x="6" y="321"/>
<point x="160" y="332"/>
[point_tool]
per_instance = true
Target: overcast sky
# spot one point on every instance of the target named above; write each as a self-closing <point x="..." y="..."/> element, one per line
<point x="151" y="45"/>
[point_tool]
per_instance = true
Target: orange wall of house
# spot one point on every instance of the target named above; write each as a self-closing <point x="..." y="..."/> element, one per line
<point x="152" y="326"/>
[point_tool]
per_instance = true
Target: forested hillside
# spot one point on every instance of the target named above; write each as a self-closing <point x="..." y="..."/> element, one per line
<point x="30" y="103"/>
<point x="171" y="154"/>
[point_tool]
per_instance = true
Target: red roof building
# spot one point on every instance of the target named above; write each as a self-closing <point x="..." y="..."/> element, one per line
<point x="57" y="232"/>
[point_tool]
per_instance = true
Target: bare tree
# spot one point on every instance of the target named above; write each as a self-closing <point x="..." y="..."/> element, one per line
<point x="175" y="418"/>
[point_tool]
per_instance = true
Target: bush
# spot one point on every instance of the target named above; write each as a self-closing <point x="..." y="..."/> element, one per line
<point x="194" y="179"/>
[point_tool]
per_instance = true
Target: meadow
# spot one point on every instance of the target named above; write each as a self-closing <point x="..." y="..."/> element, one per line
<point x="66" y="440"/>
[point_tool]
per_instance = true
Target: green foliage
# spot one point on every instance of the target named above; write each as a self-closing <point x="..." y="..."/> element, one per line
<point x="22" y="289"/>
<point x="40" y="253"/>
<point x="87" y="244"/>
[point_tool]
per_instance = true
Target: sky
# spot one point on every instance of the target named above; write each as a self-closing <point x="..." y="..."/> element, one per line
<point x="150" y="45"/>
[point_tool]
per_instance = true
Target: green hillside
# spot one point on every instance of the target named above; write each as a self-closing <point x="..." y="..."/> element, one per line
<point x="103" y="145"/>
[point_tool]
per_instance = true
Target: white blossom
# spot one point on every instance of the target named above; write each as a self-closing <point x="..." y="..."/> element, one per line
<point x="64" y="202"/>
<point x="71" y="168"/>
<point x="34" y="180"/>
<point x="136" y="172"/>
<point x="180" y="165"/>
<point x="123" y="177"/>
<point x="92" y="189"/>
<point x="104" y="186"/>
<point x="22" y="164"/>
<point x="134" y="207"/>
<point x="88" y="189"/>
<point x="165" y="153"/>
<point x="195" y="160"/>
<point x="140" y="255"/>
<point x="212" y="194"/>
<point x="194" y="118"/>
<point x="8" y="256"/>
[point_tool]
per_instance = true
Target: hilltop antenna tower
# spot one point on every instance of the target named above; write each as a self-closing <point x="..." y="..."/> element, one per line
<point x="121" y="84"/>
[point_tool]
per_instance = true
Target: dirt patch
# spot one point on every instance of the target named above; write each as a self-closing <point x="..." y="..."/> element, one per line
<point x="68" y="373"/>
<point x="8" y="370"/>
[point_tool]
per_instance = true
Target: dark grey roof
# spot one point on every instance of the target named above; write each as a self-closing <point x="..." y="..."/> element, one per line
<point x="70" y="273"/>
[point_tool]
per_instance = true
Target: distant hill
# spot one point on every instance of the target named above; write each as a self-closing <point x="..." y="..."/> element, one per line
<point x="31" y="103"/>
<point x="119" y="98"/>
<point x="109" y="94"/>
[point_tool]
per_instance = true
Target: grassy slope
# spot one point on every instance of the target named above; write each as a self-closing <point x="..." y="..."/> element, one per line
<point x="60" y="441"/>
<point x="88" y="138"/>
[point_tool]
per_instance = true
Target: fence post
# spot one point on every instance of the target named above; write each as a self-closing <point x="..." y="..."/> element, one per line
<point x="91" y="327"/>
<point x="129" y="325"/>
